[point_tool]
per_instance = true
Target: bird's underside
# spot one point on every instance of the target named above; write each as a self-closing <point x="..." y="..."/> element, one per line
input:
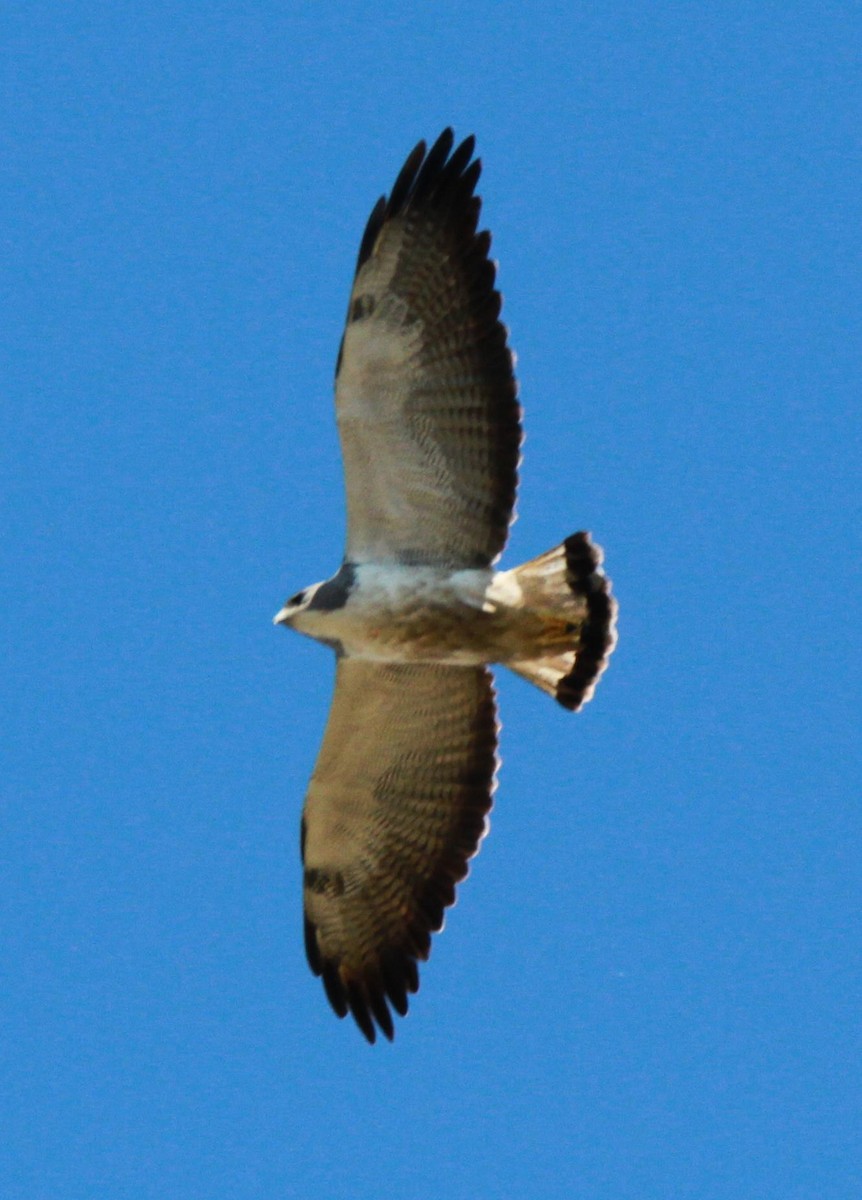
<point x="430" y="433"/>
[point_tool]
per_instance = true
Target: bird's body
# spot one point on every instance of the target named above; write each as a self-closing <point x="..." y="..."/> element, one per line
<point x="393" y="613"/>
<point x="430" y="432"/>
<point x="411" y="614"/>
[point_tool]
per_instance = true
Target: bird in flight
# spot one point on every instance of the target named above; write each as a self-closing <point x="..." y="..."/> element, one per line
<point x="430" y="429"/>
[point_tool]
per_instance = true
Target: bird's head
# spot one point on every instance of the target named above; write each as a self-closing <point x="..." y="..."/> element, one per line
<point x="315" y="611"/>
<point x="295" y="605"/>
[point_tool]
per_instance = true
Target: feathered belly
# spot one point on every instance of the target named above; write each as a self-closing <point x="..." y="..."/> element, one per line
<point x="419" y="627"/>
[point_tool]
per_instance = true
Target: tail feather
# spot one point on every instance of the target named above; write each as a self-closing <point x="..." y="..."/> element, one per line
<point x="569" y="585"/>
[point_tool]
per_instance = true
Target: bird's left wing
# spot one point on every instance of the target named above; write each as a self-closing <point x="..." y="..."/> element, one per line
<point x="425" y="390"/>
<point x="396" y="807"/>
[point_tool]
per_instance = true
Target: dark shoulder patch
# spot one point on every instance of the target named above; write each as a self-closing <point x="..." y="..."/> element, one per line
<point x="324" y="882"/>
<point x="334" y="593"/>
<point x="362" y="306"/>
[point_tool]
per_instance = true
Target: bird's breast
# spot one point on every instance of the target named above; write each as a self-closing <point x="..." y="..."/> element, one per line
<point x="411" y="614"/>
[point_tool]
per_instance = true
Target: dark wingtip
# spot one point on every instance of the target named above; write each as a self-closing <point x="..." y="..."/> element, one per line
<point x="598" y="635"/>
<point x="358" y="1006"/>
<point x="312" y="953"/>
<point x="334" y="989"/>
<point x="425" y="174"/>
<point x="367" y="998"/>
<point x="372" y="229"/>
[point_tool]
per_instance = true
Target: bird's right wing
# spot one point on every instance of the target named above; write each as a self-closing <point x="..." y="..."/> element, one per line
<point x="396" y="807"/>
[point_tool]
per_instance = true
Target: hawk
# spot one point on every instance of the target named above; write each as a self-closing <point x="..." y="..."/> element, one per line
<point x="430" y="429"/>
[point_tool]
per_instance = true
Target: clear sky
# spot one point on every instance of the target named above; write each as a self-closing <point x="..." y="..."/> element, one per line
<point x="649" y="989"/>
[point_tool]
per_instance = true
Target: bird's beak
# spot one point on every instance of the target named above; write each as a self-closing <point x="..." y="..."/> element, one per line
<point x="280" y="617"/>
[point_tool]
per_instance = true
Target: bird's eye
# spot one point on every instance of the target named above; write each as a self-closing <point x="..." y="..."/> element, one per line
<point x="297" y="599"/>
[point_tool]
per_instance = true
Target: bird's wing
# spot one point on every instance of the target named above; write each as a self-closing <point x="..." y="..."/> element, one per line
<point x="396" y="807"/>
<point x="425" y="387"/>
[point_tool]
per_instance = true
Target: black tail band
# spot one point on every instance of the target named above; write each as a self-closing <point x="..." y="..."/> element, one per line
<point x="586" y="578"/>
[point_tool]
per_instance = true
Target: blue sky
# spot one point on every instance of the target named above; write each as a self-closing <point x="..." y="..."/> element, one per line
<point x="650" y="985"/>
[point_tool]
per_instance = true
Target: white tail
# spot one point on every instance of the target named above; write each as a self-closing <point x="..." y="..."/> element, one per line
<point x="568" y="586"/>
